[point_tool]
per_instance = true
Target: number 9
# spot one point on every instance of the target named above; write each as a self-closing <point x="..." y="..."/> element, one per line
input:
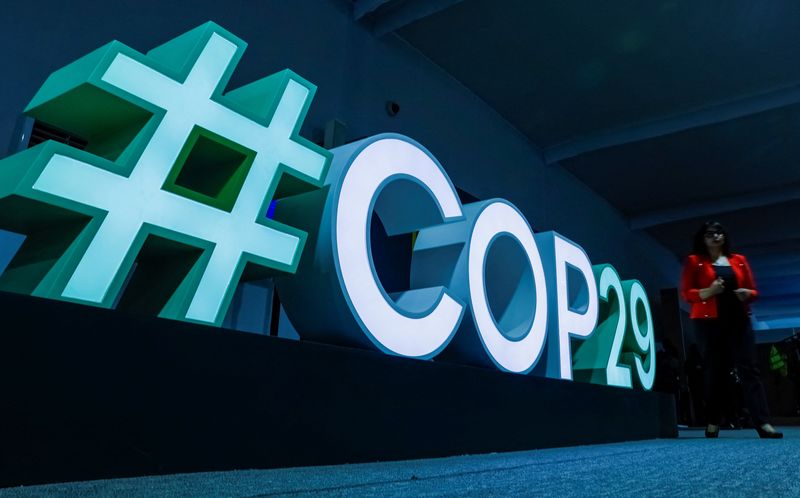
<point x="640" y="343"/>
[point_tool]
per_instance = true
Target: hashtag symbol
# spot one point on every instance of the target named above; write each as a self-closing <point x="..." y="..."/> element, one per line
<point x="127" y="199"/>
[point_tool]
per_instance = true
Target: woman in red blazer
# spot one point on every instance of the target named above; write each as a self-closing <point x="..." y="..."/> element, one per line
<point x="719" y="285"/>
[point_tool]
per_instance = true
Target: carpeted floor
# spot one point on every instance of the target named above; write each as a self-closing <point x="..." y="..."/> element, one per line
<point x="736" y="464"/>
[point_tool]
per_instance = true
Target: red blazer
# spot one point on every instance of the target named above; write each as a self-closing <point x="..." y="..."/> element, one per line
<point x="698" y="273"/>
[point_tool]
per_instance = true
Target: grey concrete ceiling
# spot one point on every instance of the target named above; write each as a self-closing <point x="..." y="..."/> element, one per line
<point x="675" y="111"/>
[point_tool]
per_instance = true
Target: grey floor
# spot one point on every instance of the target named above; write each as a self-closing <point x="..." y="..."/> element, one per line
<point x="736" y="464"/>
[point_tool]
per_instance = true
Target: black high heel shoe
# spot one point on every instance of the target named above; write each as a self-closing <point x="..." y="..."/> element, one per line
<point x="768" y="435"/>
<point x="712" y="434"/>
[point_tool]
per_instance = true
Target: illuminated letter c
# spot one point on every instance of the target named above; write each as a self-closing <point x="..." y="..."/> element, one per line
<point x="336" y="295"/>
<point x="419" y="322"/>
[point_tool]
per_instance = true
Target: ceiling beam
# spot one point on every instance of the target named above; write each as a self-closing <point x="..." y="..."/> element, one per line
<point x="713" y="207"/>
<point x="705" y="116"/>
<point x="402" y="14"/>
<point x="778" y="320"/>
<point x="363" y="8"/>
<point x="771" y="276"/>
<point x="779" y="309"/>
<point x="771" y="332"/>
<point x="773" y="273"/>
<point x="779" y="287"/>
<point x="774" y="301"/>
<point x="778" y="323"/>
<point x="774" y="258"/>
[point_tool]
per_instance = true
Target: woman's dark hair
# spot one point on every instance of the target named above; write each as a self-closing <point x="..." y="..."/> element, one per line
<point x="699" y="243"/>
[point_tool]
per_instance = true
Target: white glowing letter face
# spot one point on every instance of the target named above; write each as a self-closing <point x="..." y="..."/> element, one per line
<point x="578" y="322"/>
<point x="420" y="322"/>
<point x="598" y="358"/>
<point x="573" y="313"/>
<point x="512" y="350"/>
<point x="644" y="357"/>
<point x="623" y="339"/>
<point x="336" y="295"/>
<point x="616" y="374"/>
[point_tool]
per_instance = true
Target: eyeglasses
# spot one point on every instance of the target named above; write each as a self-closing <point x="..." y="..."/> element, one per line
<point x="711" y="234"/>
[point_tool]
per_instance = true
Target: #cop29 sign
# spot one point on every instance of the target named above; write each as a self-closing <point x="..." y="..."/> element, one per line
<point x="175" y="162"/>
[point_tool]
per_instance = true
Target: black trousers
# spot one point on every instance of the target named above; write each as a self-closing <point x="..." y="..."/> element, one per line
<point x="728" y="344"/>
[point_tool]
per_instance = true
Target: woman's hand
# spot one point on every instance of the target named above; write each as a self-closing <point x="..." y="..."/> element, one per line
<point x="716" y="287"/>
<point x="743" y="294"/>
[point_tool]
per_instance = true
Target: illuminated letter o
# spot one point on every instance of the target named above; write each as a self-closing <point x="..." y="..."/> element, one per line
<point x="519" y="353"/>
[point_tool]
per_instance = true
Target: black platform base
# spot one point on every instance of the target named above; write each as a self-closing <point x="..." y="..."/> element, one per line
<point x="90" y="393"/>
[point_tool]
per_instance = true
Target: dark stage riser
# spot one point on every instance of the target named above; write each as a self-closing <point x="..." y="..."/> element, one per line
<point x="90" y="393"/>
